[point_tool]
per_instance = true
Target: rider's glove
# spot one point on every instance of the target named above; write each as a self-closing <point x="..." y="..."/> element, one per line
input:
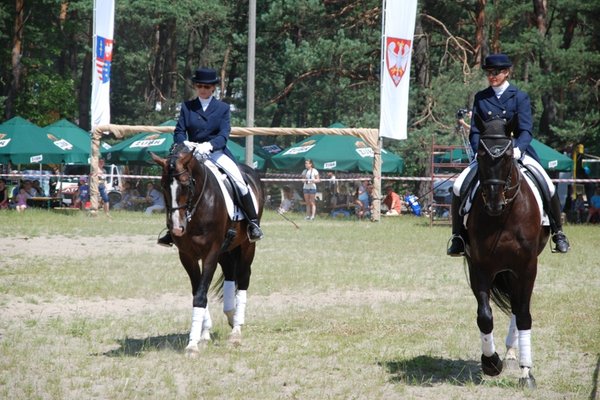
<point x="204" y="148"/>
<point x="200" y="148"/>
<point x="516" y="153"/>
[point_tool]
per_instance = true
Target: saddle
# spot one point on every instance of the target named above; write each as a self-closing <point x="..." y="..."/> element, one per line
<point x="230" y="191"/>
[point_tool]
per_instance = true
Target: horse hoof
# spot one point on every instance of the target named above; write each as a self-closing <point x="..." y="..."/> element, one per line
<point x="527" y="383"/>
<point x="192" y="350"/>
<point x="491" y="366"/>
<point x="235" y="337"/>
<point x="510" y="360"/>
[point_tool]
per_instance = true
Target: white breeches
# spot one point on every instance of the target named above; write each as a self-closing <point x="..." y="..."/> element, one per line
<point x="223" y="161"/>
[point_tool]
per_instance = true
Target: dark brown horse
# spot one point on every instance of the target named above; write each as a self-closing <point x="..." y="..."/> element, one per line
<point x="198" y="218"/>
<point x="505" y="238"/>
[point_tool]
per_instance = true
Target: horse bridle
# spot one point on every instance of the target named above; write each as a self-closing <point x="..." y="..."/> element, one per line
<point x="190" y="206"/>
<point x="497" y="153"/>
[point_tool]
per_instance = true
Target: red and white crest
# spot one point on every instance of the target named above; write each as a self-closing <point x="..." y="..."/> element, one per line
<point x="397" y="54"/>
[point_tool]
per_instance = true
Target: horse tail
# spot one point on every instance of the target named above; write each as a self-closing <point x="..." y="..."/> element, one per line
<point x="500" y="293"/>
<point x="216" y="288"/>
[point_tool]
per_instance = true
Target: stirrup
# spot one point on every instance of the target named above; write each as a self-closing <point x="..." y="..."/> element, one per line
<point x="254" y="232"/>
<point x="166" y="240"/>
<point x="561" y="241"/>
<point x="456" y="252"/>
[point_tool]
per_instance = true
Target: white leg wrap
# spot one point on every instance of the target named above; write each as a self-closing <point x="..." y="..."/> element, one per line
<point x="197" y="320"/>
<point x="487" y="344"/>
<point x="240" y="308"/>
<point x="525" y="348"/>
<point x="207" y="320"/>
<point x="228" y="296"/>
<point x="513" y="333"/>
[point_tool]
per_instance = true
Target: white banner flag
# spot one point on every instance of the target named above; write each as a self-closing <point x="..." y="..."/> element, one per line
<point x="396" y="48"/>
<point x="104" y="22"/>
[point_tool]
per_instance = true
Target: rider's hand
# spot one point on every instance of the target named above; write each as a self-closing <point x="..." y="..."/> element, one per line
<point x="204" y="148"/>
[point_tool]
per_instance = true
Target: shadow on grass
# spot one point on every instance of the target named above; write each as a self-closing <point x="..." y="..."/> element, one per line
<point x="427" y="371"/>
<point x="129" y="347"/>
<point x="176" y="342"/>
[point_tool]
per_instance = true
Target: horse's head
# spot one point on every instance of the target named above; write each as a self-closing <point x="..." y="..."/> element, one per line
<point x="495" y="159"/>
<point x="178" y="185"/>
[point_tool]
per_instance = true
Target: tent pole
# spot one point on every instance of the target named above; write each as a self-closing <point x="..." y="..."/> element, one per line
<point x="376" y="213"/>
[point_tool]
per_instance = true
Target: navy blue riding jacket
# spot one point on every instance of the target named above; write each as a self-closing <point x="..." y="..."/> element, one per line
<point x="512" y="102"/>
<point x="212" y="125"/>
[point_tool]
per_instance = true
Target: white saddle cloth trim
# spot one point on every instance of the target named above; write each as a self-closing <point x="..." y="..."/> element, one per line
<point x="235" y="213"/>
<point x="545" y="221"/>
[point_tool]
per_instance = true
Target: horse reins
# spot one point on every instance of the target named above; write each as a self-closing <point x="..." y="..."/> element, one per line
<point x="189" y="208"/>
<point x="497" y="153"/>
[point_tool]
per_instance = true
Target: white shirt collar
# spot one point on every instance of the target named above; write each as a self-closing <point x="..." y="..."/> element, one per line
<point x="205" y="102"/>
<point x="500" y="89"/>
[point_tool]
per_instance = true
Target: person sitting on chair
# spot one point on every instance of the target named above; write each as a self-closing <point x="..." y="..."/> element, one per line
<point x="503" y="100"/>
<point x="204" y="123"/>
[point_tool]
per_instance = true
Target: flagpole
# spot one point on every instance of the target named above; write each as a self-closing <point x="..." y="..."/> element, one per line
<point x="376" y="214"/>
<point x="95" y="142"/>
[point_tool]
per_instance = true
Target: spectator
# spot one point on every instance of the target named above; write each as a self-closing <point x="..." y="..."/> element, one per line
<point x="311" y="178"/>
<point x="128" y="198"/>
<point x="37" y="189"/>
<point x="594" y="207"/>
<point x="3" y="195"/>
<point x="363" y="200"/>
<point x="579" y="209"/>
<point x="102" y="187"/>
<point x="287" y="200"/>
<point x="393" y="202"/>
<point x="81" y="197"/>
<point x="156" y="197"/>
<point x="29" y="189"/>
<point x="21" y="199"/>
<point x="341" y="203"/>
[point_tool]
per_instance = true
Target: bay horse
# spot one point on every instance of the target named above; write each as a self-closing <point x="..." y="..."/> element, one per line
<point x="202" y="230"/>
<point x="505" y="238"/>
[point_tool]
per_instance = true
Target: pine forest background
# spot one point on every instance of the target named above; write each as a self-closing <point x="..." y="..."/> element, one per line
<point x="317" y="63"/>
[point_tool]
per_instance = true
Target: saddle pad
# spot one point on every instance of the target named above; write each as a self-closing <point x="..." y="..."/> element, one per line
<point x="234" y="211"/>
<point x="545" y="221"/>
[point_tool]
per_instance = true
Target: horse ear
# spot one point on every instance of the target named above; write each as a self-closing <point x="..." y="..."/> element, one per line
<point x="512" y="125"/>
<point x="160" y="161"/>
<point x="479" y="123"/>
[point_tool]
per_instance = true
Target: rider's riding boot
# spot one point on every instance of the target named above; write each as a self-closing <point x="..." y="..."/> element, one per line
<point x="558" y="236"/>
<point x="456" y="246"/>
<point x="166" y="240"/>
<point x="254" y="231"/>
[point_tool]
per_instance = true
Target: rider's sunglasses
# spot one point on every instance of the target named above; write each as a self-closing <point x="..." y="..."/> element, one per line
<point x="203" y="86"/>
<point x="493" y="72"/>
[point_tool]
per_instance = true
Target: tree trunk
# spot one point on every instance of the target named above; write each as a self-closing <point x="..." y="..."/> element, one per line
<point x="189" y="64"/>
<point x="495" y="45"/>
<point x="421" y="55"/>
<point x="17" y="53"/>
<point x="85" y="88"/>
<point x="549" y="113"/>
<point x="481" y="49"/>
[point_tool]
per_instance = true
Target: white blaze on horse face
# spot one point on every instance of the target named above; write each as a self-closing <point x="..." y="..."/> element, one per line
<point x="178" y="223"/>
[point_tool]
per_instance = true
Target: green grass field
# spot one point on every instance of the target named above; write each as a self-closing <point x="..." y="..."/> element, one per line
<point x="91" y="308"/>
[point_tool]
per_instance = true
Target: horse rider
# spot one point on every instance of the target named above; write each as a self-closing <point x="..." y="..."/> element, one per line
<point x="204" y="124"/>
<point x="504" y="100"/>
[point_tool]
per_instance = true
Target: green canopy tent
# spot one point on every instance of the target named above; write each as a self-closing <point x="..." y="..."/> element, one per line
<point x="550" y="159"/>
<point x="136" y="150"/>
<point x="22" y="142"/>
<point x="67" y="130"/>
<point x="335" y="153"/>
<point x="239" y="152"/>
